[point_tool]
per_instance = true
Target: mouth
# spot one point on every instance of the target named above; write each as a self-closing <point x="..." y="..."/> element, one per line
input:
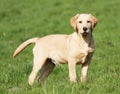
<point x="85" y="34"/>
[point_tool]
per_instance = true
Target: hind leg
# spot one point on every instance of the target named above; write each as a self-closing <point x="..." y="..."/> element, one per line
<point x="46" y="70"/>
<point x="37" y="65"/>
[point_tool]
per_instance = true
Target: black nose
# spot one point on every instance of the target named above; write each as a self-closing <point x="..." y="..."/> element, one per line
<point x="85" y="28"/>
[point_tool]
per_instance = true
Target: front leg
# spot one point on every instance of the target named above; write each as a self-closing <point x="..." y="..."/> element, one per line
<point x="84" y="72"/>
<point x="72" y="70"/>
<point x="86" y="65"/>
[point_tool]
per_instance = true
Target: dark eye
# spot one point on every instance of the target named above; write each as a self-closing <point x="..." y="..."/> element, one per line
<point x="80" y="21"/>
<point x="88" y="21"/>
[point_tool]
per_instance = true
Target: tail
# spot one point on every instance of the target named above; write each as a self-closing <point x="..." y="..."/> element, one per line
<point x="24" y="45"/>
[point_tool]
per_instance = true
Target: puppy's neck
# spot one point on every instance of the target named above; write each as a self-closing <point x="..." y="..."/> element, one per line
<point x="87" y="38"/>
<point x="80" y="37"/>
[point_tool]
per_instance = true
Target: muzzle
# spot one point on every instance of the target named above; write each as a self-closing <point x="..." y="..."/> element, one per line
<point x="85" y="33"/>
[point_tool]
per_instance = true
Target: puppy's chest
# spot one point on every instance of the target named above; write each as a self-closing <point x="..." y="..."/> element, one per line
<point x="80" y="54"/>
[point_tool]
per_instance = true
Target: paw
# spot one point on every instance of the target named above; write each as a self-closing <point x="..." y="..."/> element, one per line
<point x="73" y="80"/>
<point x="30" y="80"/>
<point x="83" y="79"/>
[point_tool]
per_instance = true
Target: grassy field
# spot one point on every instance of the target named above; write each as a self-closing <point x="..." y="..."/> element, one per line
<point x="24" y="19"/>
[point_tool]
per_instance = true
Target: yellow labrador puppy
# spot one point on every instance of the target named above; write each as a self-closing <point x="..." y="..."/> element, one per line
<point x="76" y="48"/>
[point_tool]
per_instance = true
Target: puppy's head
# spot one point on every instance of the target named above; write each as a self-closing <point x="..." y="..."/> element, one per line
<point x="83" y="23"/>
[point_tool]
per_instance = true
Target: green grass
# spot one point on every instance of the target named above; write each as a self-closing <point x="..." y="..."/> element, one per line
<point x="24" y="19"/>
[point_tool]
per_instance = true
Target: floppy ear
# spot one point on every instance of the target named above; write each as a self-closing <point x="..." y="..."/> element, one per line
<point x="73" y="21"/>
<point x="94" y="21"/>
